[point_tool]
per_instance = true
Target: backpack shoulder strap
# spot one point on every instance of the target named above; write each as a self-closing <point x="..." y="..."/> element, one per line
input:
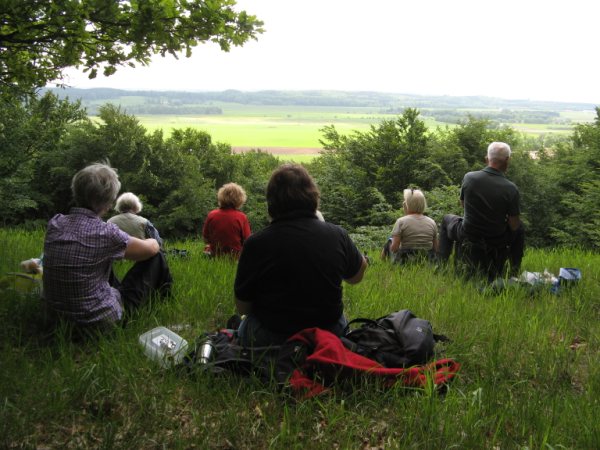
<point x="441" y="338"/>
<point x="363" y="321"/>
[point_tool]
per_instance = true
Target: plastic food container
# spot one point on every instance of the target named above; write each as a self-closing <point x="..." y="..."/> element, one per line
<point x="164" y="346"/>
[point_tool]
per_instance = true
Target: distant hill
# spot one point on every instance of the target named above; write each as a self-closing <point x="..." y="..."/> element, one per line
<point x="180" y="99"/>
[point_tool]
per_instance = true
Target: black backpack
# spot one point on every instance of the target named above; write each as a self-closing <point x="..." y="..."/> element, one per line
<point x="399" y="339"/>
<point x="218" y="353"/>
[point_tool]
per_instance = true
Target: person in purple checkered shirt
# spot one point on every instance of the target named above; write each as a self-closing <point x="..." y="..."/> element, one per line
<point x="80" y="248"/>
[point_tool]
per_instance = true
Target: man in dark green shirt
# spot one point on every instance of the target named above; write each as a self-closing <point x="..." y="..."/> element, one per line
<point x="491" y="220"/>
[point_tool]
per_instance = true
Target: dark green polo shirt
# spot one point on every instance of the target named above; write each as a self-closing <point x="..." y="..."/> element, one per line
<point x="489" y="198"/>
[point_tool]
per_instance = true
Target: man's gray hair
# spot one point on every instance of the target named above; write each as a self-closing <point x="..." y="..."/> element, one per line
<point x="96" y="187"/>
<point x="498" y="151"/>
<point x="128" y="202"/>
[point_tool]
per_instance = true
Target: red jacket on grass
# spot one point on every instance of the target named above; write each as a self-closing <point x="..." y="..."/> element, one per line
<point x="328" y="361"/>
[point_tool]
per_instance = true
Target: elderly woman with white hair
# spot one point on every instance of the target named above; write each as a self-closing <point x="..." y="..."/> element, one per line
<point x="129" y="207"/>
<point x="414" y="235"/>
<point x="79" y="249"/>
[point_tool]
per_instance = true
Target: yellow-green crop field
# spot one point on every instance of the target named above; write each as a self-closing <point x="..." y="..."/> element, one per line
<point x="271" y="126"/>
<point x="296" y="130"/>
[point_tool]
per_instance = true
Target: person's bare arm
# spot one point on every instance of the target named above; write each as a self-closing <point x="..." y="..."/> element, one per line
<point x="243" y="307"/>
<point x="141" y="249"/>
<point x="514" y="222"/>
<point x="359" y="275"/>
<point x="435" y="244"/>
<point x="395" y="244"/>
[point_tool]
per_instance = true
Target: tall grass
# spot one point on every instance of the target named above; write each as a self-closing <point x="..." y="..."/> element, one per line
<point x="530" y="375"/>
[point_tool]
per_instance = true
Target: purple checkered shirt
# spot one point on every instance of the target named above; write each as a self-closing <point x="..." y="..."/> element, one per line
<point x="78" y="254"/>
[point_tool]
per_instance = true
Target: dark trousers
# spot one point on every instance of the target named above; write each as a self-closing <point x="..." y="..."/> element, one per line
<point x="144" y="279"/>
<point x="451" y="232"/>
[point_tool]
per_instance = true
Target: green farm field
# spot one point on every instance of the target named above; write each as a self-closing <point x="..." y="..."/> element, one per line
<point x="290" y="130"/>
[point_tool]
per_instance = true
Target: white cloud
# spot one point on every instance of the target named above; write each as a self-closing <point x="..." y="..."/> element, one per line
<point x="513" y="49"/>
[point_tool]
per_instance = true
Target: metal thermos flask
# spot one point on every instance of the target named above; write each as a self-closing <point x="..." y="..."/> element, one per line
<point x="206" y="351"/>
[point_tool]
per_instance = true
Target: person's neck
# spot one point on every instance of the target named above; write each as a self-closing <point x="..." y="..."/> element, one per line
<point x="295" y="214"/>
<point x="499" y="167"/>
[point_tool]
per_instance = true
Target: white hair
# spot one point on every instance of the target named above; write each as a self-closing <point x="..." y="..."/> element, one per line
<point x="498" y="151"/>
<point x="128" y="202"/>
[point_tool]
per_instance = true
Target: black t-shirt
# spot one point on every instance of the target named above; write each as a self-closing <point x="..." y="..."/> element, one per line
<point x="292" y="271"/>
<point x="489" y="198"/>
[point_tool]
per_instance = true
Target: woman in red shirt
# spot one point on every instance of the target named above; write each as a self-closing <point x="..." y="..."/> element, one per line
<point x="226" y="228"/>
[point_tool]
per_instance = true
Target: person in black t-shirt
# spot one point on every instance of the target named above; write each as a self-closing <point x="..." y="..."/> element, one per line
<point x="289" y="275"/>
<point x="491" y="212"/>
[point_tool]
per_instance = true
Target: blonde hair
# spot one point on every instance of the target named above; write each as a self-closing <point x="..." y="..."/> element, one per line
<point x="231" y="195"/>
<point x="414" y="201"/>
<point x="128" y="202"/>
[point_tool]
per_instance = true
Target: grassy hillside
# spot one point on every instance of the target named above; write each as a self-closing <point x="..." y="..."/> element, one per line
<point x="530" y="376"/>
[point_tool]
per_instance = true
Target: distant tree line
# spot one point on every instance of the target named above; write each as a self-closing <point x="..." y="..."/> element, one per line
<point x="395" y="103"/>
<point x="45" y="140"/>
<point x="162" y="108"/>
<point x="454" y="116"/>
<point x="502" y="116"/>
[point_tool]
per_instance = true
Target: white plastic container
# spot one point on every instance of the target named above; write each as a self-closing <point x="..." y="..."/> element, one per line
<point x="164" y="346"/>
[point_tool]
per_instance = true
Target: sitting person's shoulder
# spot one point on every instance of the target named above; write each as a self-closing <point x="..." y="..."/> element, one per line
<point x="429" y="220"/>
<point x="328" y="227"/>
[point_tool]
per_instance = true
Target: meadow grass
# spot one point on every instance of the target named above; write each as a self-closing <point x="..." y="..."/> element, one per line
<point x="530" y="376"/>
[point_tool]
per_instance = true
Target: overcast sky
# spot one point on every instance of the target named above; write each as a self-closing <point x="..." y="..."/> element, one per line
<point x="516" y="49"/>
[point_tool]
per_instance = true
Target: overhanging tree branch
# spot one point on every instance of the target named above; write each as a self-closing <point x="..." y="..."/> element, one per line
<point x="39" y="39"/>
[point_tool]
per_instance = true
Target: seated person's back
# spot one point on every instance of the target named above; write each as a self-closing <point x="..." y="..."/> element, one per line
<point x="290" y="274"/>
<point x="226" y="229"/>
<point x="293" y="270"/>
<point x="78" y="253"/>
<point x="414" y="232"/>
<point x="129" y="206"/>
<point x="491" y="230"/>
<point x="79" y="250"/>
<point x="488" y="197"/>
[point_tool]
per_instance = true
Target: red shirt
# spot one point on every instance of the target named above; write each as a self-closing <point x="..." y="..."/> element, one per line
<point x="225" y="230"/>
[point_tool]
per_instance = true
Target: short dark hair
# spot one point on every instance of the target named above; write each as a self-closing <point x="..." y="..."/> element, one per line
<point x="291" y="188"/>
